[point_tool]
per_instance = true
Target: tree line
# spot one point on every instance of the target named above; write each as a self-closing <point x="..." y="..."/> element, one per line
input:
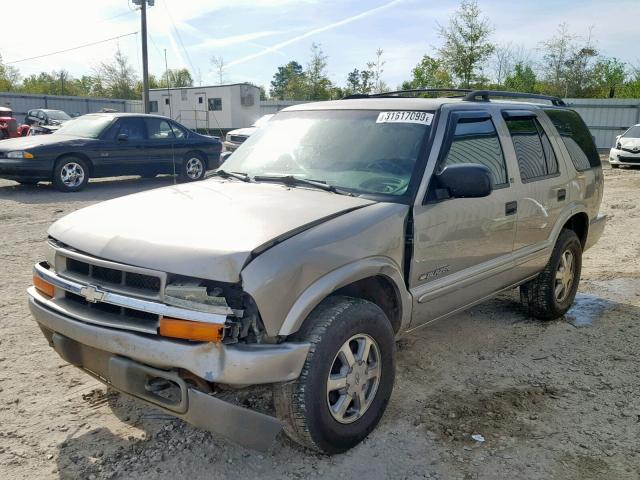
<point x="564" y="65"/>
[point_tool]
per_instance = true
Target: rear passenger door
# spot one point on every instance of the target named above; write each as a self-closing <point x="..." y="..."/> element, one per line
<point x="164" y="145"/>
<point x="462" y="246"/>
<point x="542" y="190"/>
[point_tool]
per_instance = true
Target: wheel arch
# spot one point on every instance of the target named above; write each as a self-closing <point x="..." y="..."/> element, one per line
<point x="80" y="155"/>
<point x="377" y="280"/>
<point x="199" y="152"/>
<point x="578" y="223"/>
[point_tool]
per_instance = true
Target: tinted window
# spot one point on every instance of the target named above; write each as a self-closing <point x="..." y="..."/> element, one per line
<point x="133" y="127"/>
<point x="576" y="137"/>
<point x="159" y="129"/>
<point x="178" y="131"/>
<point x="536" y="157"/>
<point x="477" y="142"/>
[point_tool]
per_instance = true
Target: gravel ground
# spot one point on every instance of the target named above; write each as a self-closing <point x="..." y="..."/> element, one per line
<point x="556" y="400"/>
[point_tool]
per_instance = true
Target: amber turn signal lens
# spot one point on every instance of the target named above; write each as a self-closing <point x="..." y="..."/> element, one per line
<point x="199" y="331"/>
<point x="43" y="287"/>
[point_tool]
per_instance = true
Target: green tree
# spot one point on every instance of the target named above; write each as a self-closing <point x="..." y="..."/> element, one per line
<point x="287" y="81"/>
<point x="358" y="82"/>
<point x="9" y="77"/>
<point x="376" y="69"/>
<point x="610" y="74"/>
<point x="466" y="43"/>
<point x="522" y="79"/>
<point x="117" y="78"/>
<point x="176" y="78"/>
<point x="429" y="73"/>
<point x="318" y="84"/>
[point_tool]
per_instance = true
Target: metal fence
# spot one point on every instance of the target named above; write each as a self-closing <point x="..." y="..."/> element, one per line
<point x="607" y="118"/>
<point x="21" y="103"/>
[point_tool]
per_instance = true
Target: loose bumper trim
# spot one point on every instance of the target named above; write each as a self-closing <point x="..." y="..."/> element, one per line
<point x="237" y="365"/>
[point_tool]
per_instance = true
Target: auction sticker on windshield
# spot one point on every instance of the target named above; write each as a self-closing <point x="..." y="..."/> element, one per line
<point x="423" y="118"/>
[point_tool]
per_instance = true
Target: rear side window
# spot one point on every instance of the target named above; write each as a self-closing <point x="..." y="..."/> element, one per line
<point x="536" y="158"/>
<point x="159" y="129"/>
<point x="476" y="141"/>
<point x="576" y="137"/>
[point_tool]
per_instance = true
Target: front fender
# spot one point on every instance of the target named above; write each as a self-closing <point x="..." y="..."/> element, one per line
<point x="332" y="281"/>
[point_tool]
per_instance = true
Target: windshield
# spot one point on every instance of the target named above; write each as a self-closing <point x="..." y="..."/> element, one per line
<point x="58" y="115"/>
<point x="87" y="126"/>
<point x="364" y="151"/>
<point x="262" y="121"/>
<point x="633" y="132"/>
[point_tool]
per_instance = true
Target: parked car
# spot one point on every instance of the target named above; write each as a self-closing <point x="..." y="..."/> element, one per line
<point x="9" y="127"/>
<point x="108" y="145"/>
<point x="334" y="230"/>
<point x="44" y="121"/>
<point x="235" y="138"/>
<point x="627" y="148"/>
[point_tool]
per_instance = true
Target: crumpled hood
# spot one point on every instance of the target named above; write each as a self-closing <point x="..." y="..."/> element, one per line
<point x="630" y="143"/>
<point x="208" y="229"/>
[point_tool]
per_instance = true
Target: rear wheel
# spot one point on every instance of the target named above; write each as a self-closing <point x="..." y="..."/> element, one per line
<point x="193" y="167"/>
<point x="551" y="293"/>
<point x="70" y="174"/>
<point x="347" y="378"/>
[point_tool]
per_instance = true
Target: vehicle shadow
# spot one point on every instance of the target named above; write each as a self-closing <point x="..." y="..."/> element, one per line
<point x="97" y="190"/>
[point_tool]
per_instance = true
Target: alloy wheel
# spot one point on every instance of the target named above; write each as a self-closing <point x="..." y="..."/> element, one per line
<point x="564" y="276"/>
<point x="194" y="168"/>
<point x="72" y="175"/>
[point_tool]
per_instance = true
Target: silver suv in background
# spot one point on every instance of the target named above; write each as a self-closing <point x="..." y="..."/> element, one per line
<point x="237" y="137"/>
<point x="627" y="148"/>
<point x="328" y="234"/>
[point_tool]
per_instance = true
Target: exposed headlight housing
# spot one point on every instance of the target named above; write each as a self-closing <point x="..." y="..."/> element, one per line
<point x="618" y="145"/>
<point x="19" y="154"/>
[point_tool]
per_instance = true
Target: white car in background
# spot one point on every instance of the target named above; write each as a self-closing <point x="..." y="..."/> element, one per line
<point x="235" y="138"/>
<point x="627" y="148"/>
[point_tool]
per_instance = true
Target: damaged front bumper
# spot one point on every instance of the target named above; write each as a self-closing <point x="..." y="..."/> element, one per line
<point x="128" y="361"/>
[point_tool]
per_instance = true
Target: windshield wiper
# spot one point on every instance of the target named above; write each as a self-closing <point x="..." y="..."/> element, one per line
<point x="292" y="180"/>
<point x="224" y="174"/>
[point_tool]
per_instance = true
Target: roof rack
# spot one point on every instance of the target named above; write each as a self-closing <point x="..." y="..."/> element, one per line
<point x="467" y="94"/>
<point x="397" y="93"/>
<point x="485" y="96"/>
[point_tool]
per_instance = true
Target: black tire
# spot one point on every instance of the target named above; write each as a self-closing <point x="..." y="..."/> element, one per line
<point x="539" y="296"/>
<point x="62" y="169"/>
<point x="193" y="167"/>
<point x="614" y="165"/>
<point x="303" y="405"/>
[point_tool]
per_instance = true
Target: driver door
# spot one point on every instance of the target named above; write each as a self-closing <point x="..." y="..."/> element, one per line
<point x="462" y="246"/>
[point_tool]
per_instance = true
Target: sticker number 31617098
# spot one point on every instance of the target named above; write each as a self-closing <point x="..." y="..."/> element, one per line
<point x="405" y="117"/>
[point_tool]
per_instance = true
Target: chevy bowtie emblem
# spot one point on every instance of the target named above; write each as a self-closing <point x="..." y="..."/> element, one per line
<point x="92" y="294"/>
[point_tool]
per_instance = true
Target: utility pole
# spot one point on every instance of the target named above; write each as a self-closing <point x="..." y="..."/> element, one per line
<point x="145" y="56"/>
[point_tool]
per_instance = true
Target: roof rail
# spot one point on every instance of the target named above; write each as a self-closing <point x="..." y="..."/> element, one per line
<point x="485" y="96"/>
<point x="411" y="90"/>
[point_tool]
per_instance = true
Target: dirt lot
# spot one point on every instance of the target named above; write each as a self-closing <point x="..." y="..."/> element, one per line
<point x="558" y="400"/>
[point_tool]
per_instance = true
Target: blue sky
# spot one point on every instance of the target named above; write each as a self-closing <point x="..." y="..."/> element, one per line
<point x="255" y="37"/>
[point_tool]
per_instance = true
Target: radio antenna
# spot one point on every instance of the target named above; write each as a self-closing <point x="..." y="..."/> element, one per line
<point x="173" y="152"/>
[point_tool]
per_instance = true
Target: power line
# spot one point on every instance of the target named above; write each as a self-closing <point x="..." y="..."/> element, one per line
<point x="166" y="7"/>
<point x="72" y="48"/>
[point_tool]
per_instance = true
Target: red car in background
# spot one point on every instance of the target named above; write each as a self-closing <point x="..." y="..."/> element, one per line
<point x="9" y="127"/>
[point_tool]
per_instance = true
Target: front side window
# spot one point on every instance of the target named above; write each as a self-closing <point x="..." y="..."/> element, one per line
<point x="132" y="127"/>
<point x="363" y="151"/>
<point x="576" y="137"/>
<point x="476" y="141"/>
<point x="215" y="104"/>
<point x="159" y="129"/>
<point x="536" y="158"/>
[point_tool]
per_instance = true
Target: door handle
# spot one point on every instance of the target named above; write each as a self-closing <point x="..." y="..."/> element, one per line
<point x="562" y="194"/>
<point x="510" y="208"/>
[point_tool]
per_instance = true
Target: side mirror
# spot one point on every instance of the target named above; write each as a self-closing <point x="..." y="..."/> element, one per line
<point x="123" y="137"/>
<point x="224" y="156"/>
<point x="466" y="180"/>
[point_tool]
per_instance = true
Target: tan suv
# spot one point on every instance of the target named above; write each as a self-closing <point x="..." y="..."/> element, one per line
<point x="329" y="233"/>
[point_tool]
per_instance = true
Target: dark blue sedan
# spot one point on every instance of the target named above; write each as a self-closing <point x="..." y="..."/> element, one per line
<point x="108" y="145"/>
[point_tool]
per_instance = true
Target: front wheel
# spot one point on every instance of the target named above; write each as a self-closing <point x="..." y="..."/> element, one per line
<point x="347" y="378"/>
<point x="193" y="168"/>
<point x="70" y="174"/>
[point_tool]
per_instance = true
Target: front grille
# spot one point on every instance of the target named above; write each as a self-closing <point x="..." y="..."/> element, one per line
<point x="117" y="313"/>
<point x="237" y="138"/>
<point x="630" y="159"/>
<point x="105" y="275"/>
